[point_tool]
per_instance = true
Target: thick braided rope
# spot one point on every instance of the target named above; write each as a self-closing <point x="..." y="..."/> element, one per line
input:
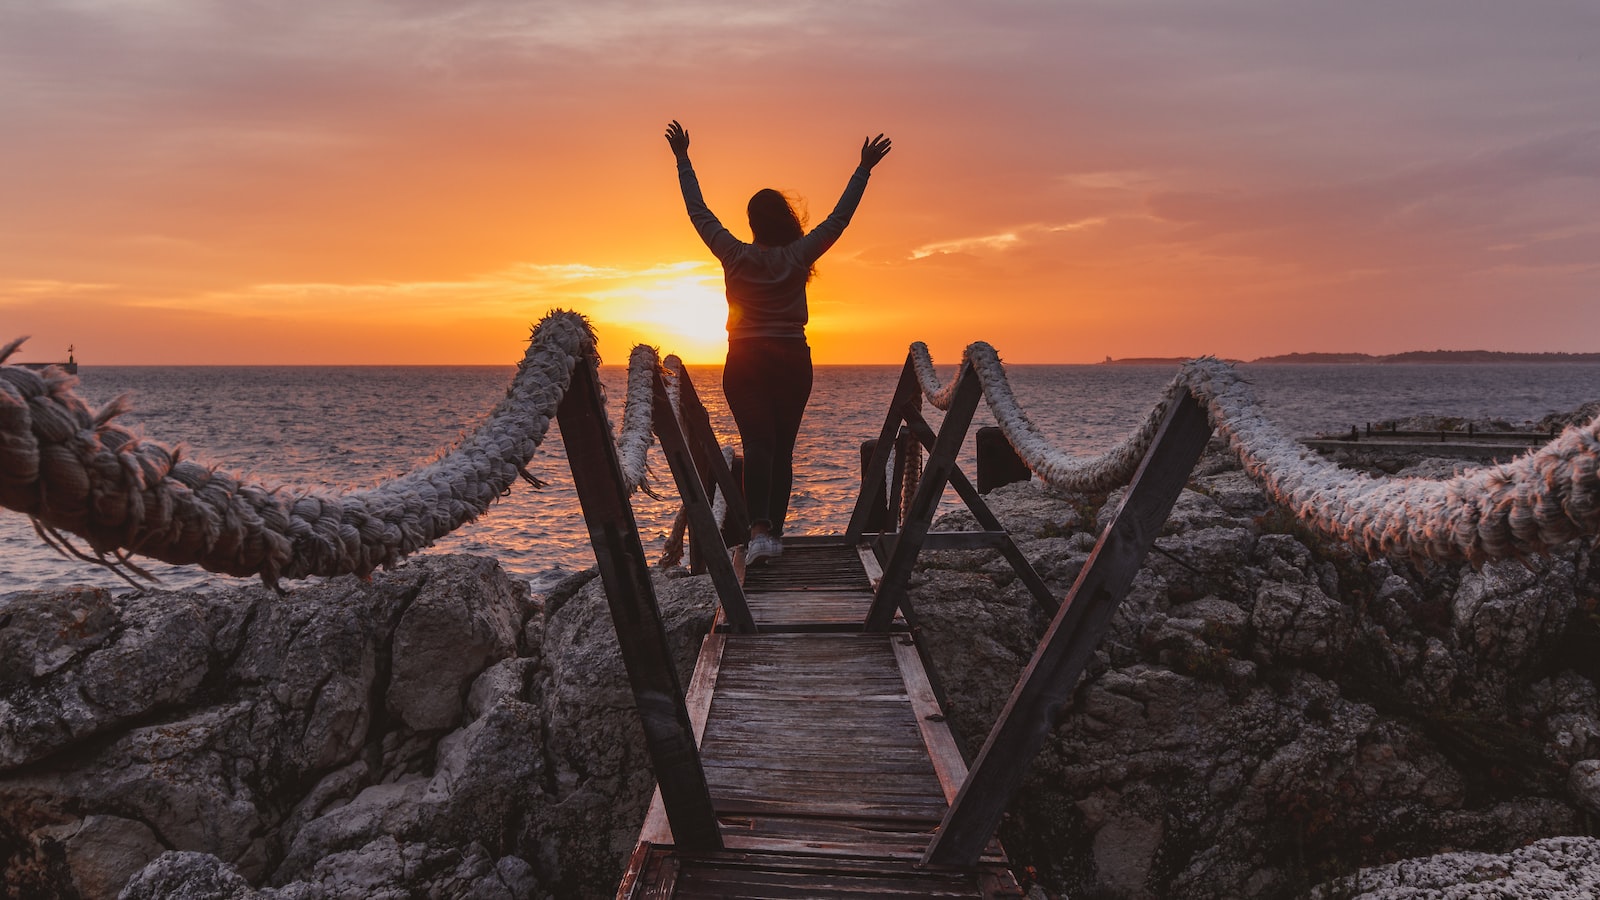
<point x="675" y="375"/>
<point x="1090" y="474"/>
<point x="75" y="470"/>
<point x="1510" y="511"/>
<point x="719" y="502"/>
<point x="1515" y="510"/>
<point x="638" y="428"/>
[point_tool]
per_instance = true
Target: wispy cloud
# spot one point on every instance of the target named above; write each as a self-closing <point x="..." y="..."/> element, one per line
<point x="16" y="291"/>
<point x="1005" y="240"/>
<point x="516" y="289"/>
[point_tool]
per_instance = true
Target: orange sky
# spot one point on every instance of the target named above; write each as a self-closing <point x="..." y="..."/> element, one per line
<point x="407" y="182"/>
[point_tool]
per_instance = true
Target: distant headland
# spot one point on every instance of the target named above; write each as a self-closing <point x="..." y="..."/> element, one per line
<point x="1456" y="357"/>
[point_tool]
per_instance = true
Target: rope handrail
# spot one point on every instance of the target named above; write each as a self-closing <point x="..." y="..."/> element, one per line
<point x="675" y="375"/>
<point x="1514" y="510"/>
<point x="76" y="470"/>
<point x="638" y="429"/>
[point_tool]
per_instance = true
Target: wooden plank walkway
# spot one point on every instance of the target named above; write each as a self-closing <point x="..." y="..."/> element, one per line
<point x="809" y="756"/>
<point x="825" y="751"/>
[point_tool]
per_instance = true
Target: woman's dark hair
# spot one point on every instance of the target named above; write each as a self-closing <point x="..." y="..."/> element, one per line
<point x="773" y="221"/>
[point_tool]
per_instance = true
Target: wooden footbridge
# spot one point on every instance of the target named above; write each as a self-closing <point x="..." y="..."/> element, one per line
<point x="810" y="756"/>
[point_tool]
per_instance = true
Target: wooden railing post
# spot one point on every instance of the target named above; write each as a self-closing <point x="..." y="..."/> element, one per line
<point x="702" y="521"/>
<point x="1049" y="680"/>
<point x="906" y="392"/>
<point x="991" y="524"/>
<point x="905" y="444"/>
<point x="935" y="475"/>
<point x="702" y="440"/>
<point x="592" y="454"/>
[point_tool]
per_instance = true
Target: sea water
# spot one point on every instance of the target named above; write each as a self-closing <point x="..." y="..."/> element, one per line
<point x="354" y="426"/>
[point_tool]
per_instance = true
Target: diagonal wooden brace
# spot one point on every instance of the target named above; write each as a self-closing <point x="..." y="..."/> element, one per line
<point x="592" y="454"/>
<point x="702" y="521"/>
<point x="906" y="394"/>
<point x="941" y="463"/>
<point x="1047" y="684"/>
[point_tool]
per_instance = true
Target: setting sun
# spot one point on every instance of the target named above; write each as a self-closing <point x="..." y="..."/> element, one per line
<point x="687" y="311"/>
<point x="682" y="313"/>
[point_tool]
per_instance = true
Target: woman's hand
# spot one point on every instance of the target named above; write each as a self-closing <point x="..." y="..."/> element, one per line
<point x="873" y="150"/>
<point x="678" y="140"/>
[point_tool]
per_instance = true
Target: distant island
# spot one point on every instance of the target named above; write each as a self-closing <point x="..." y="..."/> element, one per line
<point x="1410" y="356"/>
<point x="1146" y="361"/>
<point x="1432" y="356"/>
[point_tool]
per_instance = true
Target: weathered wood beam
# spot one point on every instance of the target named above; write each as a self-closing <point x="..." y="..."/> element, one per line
<point x="708" y="453"/>
<point x="702" y="520"/>
<point x="941" y="462"/>
<point x="1047" y="684"/>
<point x="878" y="515"/>
<point x="669" y="735"/>
<point x="904" y="444"/>
<point x="702" y="685"/>
<point x="946" y="540"/>
<point x="906" y="394"/>
<point x="989" y="521"/>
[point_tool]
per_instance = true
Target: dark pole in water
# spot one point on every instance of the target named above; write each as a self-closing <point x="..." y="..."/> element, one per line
<point x="998" y="462"/>
<point x="878" y="508"/>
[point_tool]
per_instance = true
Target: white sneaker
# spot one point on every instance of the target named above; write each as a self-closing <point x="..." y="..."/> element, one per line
<point x="761" y="548"/>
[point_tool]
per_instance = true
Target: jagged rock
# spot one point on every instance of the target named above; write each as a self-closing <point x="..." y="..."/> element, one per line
<point x="1028" y="507"/>
<point x="435" y="732"/>
<point x="1568" y="705"/>
<point x="482" y="776"/>
<point x="457" y="625"/>
<point x="187" y="875"/>
<point x="598" y="774"/>
<point x="235" y="722"/>
<point x="503" y="681"/>
<point x="80" y="664"/>
<point x="102" y="852"/>
<point x="1298" y="623"/>
<point x="1580" y="416"/>
<point x="1267" y="712"/>
<point x="46" y="630"/>
<point x="1235" y="494"/>
<point x="385" y="869"/>
<point x="1584" y="780"/>
<point x="1560" y="868"/>
<point x="1509" y="612"/>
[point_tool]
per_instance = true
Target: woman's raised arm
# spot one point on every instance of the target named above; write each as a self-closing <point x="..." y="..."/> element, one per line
<point x="819" y="239"/>
<point x="720" y="241"/>
<point x="678" y="140"/>
<point x="873" y="150"/>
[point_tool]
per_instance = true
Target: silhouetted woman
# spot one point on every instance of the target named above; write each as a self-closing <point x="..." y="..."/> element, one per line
<point x="767" y="379"/>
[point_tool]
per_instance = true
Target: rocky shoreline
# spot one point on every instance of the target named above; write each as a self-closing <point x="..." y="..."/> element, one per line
<point x="1268" y="717"/>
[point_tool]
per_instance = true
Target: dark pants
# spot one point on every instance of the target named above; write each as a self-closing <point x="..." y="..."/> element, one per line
<point x="767" y="382"/>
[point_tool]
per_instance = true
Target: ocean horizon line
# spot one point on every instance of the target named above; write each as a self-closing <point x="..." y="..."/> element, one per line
<point x="1420" y="357"/>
